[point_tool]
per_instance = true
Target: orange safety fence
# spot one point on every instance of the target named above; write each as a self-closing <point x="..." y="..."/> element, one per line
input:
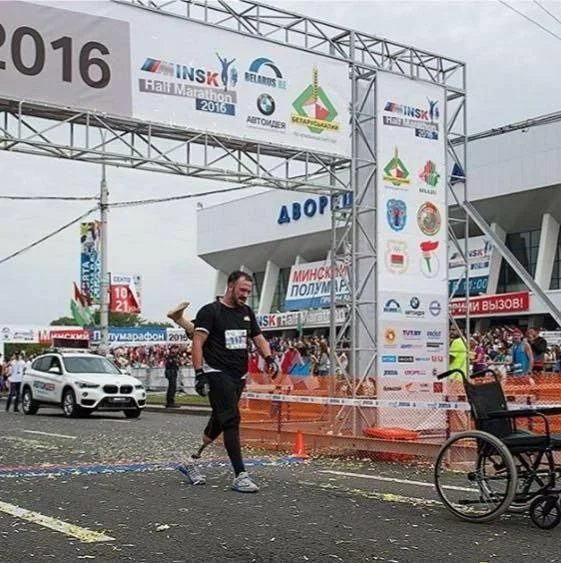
<point x="310" y="413"/>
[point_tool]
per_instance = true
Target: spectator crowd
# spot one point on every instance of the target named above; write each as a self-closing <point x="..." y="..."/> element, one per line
<point x="499" y="347"/>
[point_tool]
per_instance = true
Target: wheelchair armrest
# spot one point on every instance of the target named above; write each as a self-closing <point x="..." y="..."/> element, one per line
<point x="526" y="413"/>
<point x="540" y="411"/>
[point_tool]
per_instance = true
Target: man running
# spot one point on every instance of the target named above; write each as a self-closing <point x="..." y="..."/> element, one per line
<point x="220" y="358"/>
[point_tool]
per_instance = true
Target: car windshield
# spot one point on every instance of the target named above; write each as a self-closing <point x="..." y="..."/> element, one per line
<point x="88" y="364"/>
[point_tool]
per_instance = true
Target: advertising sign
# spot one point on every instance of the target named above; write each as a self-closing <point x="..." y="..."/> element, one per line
<point x="309" y="285"/>
<point x="90" y="260"/>
<point x="412" y="244"/>
<point x="490" y="305"/>
<point x="479" y="260"/>
<point x="65" y="57"/>
<point x="133" y="62"/>
<point x="125" y="293"/>
<point x="296" y="319"/>
<point x="131" y="335"/>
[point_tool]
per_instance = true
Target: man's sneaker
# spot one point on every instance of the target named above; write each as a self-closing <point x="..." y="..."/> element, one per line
<point x="243" y="484"/>
<point x="177" y="312"/>
<point x="192" y="472"/>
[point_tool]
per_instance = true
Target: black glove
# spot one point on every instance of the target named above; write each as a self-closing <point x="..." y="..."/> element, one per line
<point x="201" y="383"/>
<point x="272" y="366"/>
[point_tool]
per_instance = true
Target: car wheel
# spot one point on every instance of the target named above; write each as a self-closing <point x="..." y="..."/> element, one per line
<point x="28" y="404"/>
<point x="69" y="406"/>
<point x="133" y="413"/>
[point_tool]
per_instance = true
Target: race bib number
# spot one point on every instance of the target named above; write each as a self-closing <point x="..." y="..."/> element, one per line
<point x="236" y="339"/>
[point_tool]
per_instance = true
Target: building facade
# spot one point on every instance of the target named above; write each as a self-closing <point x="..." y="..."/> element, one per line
<point x="514" y="182"/>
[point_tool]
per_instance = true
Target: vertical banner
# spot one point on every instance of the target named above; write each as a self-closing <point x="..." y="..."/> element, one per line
<point x="412" y="332"/>
<point x="90" y="259"/>
<point x="124" y="291"/>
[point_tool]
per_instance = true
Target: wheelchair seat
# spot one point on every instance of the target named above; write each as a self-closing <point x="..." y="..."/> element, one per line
<point x="488" y="407"/>
<point x="524" y="441"/>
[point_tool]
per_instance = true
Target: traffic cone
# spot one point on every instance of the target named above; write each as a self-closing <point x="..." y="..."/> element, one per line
<point x="299" y="448"/>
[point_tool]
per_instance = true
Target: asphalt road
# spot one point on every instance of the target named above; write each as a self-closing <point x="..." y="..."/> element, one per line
<point x="110" y="489"/>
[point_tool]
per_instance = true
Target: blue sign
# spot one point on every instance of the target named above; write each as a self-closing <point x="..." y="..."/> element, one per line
<point x="130" y="335"/>
<point x="313" y="206"/>
<point x="90" y="275"/>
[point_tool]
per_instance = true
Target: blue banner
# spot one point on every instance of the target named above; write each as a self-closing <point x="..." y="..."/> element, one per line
<point x="131" y="335"/>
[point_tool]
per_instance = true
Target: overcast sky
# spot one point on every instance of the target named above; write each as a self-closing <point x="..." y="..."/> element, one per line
<point x="512" y="76"/>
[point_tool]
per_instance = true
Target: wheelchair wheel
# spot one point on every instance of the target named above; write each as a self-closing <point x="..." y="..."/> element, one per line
<point x="475" y="476"/>
<point x="545" y="512"/>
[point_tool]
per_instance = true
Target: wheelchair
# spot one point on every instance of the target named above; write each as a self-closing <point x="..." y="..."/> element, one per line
<point x="481" y="474"/>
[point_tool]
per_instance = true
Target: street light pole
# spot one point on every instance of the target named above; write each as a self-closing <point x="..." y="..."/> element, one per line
<point x="104" y="289"/>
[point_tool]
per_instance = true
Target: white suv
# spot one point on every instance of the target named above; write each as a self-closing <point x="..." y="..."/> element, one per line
<point x="80" y="383"/>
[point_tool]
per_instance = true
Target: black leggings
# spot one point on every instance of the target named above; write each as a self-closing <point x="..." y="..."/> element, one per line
<point x="224" y="396"/>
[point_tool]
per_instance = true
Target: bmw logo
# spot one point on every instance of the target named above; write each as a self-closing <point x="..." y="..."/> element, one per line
<point x="266" y="104"/>
<point x="414" y="303"/>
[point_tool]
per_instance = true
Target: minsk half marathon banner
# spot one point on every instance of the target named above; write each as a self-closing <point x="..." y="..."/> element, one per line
<point x="130" y="62"/>
<point x="90" y="260"/>
<point x="131" y="335"/>
<point x="412" y="335"/>
<point x="309" y="285"/>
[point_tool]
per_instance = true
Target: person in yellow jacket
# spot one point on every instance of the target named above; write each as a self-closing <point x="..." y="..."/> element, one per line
<point x="458" y="354"/>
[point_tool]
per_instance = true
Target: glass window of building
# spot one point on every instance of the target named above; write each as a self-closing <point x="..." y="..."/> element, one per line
<point x="280" y="290"/>
<point x="556" y="272"/>
<point x="257" y="289"/>
<point x="525" y="247"/>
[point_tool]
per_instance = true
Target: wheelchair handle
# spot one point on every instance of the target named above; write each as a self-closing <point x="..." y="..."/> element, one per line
<point x="448" y="373"/>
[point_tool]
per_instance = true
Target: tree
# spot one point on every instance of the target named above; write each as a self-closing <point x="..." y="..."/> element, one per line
<point x="115" y="319"/>
<point x="64" y="321"/>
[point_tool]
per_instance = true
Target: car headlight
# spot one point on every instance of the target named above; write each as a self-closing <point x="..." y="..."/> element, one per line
<point x="84" y="385"/>
<point x="139" y="386"/>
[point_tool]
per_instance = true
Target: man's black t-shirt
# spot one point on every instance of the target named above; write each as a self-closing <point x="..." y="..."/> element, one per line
<point x="228" y="332"/>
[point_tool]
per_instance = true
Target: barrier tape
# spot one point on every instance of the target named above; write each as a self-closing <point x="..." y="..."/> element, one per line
<point x="347" y="402"/>
<point x="433" y="405"/>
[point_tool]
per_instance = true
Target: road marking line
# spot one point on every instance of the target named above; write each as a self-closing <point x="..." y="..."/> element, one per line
<point x="128" y="466"/>
<point x="394" y="480"/>
<point x="50" y="434"/>
<point x="387" y="497"/>
<point x="83" y="534"/>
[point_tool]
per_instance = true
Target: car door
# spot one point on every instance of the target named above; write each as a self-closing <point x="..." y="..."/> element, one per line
<point x="39" y="379"/>
<point x="55" y="376"/>
<point x="48" y="380"/>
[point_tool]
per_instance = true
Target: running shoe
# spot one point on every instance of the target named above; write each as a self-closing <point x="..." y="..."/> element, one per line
<point x="192" y="472"/>
<point x="243" y="484"/>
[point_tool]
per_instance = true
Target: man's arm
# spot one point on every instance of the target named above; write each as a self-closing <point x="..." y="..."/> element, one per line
<point x="265" y="350"/>
<point x="530" y="354"/>
<point x="199" y="338"/>
<point x="262" y="345"/>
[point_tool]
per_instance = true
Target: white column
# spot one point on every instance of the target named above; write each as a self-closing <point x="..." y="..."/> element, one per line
<point x="245" y="269"/>
<point x="549" y="235"/>
<point x="220" y="283"/>
<point x="495" y="261"/>
<point x="299" y="260"/>
<point x="268" y="290"/>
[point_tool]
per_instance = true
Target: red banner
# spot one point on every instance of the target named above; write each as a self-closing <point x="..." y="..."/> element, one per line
<point x="123" y="300"/>
<point x="500" y="304"/>
<point x="46" y="336"/>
